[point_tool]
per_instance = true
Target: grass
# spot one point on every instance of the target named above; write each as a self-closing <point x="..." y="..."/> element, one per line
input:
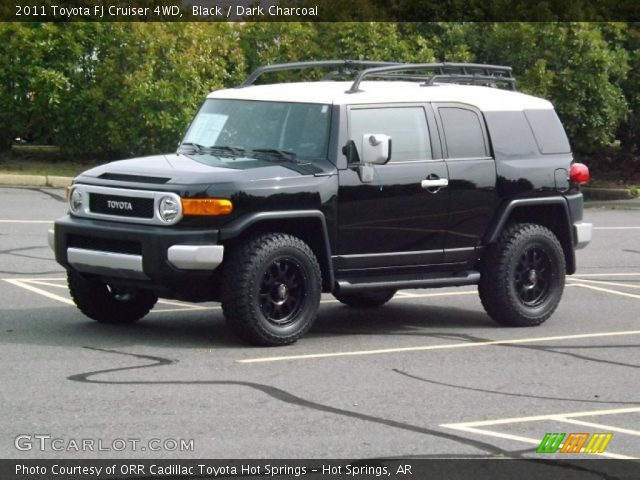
<point x="41" y="160"/>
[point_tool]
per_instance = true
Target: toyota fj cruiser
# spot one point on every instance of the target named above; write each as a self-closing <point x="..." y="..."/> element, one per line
<point x="403" y="176"/>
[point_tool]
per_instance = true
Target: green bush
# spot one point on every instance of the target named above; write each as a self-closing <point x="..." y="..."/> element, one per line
<point x="570" y="64"/>
<point x="111" y="89"/>
<point x="107" y="90"/>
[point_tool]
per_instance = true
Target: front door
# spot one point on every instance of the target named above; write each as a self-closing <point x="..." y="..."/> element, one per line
<point x="399" y="219"/>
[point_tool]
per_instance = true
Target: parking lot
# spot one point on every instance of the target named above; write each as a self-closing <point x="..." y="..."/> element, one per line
<point x="427" y="375"/>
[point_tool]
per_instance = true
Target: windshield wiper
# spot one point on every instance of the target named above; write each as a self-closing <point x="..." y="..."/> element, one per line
<point x="275" y="154"/>
<point x="235" y="151"/>
<point x="220" y="150"/>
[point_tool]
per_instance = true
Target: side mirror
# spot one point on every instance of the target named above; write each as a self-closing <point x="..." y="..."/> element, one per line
<point x="376" y="148"/>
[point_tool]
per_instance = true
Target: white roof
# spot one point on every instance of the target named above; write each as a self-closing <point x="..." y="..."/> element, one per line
<point x="484" y="98"/>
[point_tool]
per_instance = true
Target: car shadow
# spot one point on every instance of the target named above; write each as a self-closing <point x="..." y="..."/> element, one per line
<point x="206" y="329"/>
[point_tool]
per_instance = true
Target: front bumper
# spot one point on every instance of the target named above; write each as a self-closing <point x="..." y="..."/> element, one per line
<point x="166" y="256"/>
<point x="582" y="233"/>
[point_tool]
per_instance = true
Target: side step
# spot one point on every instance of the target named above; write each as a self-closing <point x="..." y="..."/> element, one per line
<point x="469" y="277"/>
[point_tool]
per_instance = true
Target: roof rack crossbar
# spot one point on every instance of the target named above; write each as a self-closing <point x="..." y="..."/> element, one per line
<point x="442" y="71"/>
<point x="357" y="65"/>
<point x="472" y="79"/>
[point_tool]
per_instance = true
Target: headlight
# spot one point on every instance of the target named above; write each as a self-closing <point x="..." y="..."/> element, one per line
<point x="75" y="200"/>
<point x="168" y="209"/>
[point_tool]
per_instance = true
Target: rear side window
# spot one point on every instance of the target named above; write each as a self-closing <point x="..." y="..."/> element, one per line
<point x="548" y="131"/>
<point x="407" y="127"/>
<point x="463" y="132"/>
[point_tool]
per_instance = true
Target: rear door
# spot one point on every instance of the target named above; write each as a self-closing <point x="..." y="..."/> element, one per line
<point x="396" y="220"/>
<point x="472" y="179"/>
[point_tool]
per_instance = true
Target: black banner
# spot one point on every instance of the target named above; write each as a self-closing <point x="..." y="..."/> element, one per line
<point x="318" y="10"/>
<point x="392" y="469"/>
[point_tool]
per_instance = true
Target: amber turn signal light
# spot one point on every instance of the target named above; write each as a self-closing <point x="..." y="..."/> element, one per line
<point x="206" y="206"/>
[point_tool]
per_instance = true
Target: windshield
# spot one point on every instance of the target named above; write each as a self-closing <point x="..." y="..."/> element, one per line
<point x="277" y="131"/>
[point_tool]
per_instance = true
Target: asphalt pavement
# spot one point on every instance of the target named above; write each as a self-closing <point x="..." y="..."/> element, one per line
<point x="427" y="375"/>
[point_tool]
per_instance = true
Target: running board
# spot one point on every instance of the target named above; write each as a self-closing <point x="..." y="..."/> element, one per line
<point x="398" y="282"/>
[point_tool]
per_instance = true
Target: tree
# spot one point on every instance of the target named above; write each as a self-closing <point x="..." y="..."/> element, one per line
<point x="572" y="65"/>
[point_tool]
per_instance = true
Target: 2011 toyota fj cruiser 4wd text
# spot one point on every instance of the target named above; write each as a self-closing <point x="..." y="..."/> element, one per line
<point x="428" y="176"/>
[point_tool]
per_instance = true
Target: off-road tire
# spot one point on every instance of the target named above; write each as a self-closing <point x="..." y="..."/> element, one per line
<point x="105" y="304"/>
<point x="522" y="277"/>
<point x="271" y="290"/>
<point x="365" y="299"/>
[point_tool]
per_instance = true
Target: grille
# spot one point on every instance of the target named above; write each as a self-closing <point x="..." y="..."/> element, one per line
<point x="104" y="244"/>
<point x="121" y="206"/>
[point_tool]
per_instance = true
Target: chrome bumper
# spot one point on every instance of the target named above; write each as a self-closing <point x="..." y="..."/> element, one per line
<point x="106" y="263"/>
<point x="186" y="257"/>
<point x="582" y="233"/>
<point x="195" y="257"/>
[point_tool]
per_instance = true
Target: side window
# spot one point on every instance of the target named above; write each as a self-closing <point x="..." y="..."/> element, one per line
<point x="407" y="127"/>
<point x="463" y="132"/>
<point x="548" y="131"/>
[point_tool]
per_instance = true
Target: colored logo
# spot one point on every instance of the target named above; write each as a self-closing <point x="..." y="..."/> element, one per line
<point x="574" y="442"/>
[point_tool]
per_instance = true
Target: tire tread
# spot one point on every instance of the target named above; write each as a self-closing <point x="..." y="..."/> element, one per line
<point x="494" y="288"/>
<point x="241" y="318"/>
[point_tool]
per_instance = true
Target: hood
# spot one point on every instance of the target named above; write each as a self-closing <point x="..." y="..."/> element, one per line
<point x="183" y="169"/>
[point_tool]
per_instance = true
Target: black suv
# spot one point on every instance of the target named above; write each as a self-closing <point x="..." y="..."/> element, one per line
<point x="401" y="176"/>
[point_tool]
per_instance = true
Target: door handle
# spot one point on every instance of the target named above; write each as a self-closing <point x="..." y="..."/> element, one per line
<point x="434" y="183"/>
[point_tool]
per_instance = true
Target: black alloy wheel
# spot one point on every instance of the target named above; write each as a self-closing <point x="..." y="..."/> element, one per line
<point x="533" y="276"/>
<point x="271" y="290"/>
<point x="282" y="291"/>
<point x="522" y="275"/>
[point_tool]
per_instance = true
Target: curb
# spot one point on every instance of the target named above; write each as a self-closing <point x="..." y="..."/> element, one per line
<point x="35" y="181"/>
<point x="591" y="193"/>
<point x="627" y="204"/>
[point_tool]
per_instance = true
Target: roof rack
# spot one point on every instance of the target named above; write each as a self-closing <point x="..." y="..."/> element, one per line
<point x="343" y="67"/>
<point x="472" y="73"/>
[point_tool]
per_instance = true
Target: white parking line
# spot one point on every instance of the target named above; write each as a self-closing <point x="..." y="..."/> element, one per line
<point x="440" y="294"/>
<point x="44" y="293"/>
<point x="616" y="228"/>
<point x="614" y="284"/>
<point x="473" y="427"/>
<point x="46" y="279"/>
<point x="606" y="428"/>
<point x="532" y="441"/>
<point x="422" y="348"/>
<point x="187" y="306"/>
<point x="619" y="274"/>
<point x="26" y="221"/>
<point x="552" y="416"/>
<point x="606" y="290"/>
<point x="28" y="284"/>
<point x="402" y="294"/>
<point x="174" y="310"/>
<point x="45" y="284"/>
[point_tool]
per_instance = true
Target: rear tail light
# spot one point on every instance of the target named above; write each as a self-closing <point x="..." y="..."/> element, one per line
<point x="579" y="173"/>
